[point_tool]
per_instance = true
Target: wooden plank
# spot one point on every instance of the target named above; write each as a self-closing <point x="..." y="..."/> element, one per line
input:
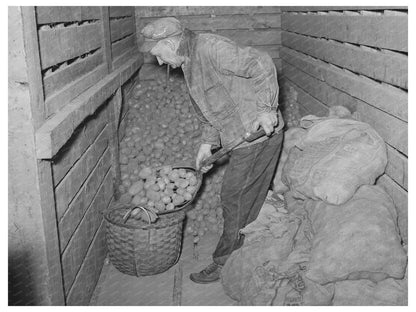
<point x="160" y="11"/>
<point x="397" y="168"/>
<point x="400" y="200"/>
<point x="75" y="253"/>
<point x="387" y="67"/>
<point x="385" y="97"/>
<point x="114" y="116"/>
<point x="73" y="181"/>
<point x="121" y="28"/>
<point x="251" y="37"/>
<point x="65" y="76"/>
<point x="83" y="199"/>
<point x="256" y="21"/>
<point x="55" y="132"/>
<point x="121" y="11"/>
<point x="61" y="44"/>
<point x="119" y="61"/>
<point x="391" y="129"/>
<point x="60" y="14"/>
<point x="387" y="32"/>
<point x="82" y="138"/>
<point x="122" y="45"/>
<point x="59" y="99"/>
<point x="31" y="45"/>
<point x="339" y="8"/>
<point x="106" y="38"/>
<point x="89" y="273"/>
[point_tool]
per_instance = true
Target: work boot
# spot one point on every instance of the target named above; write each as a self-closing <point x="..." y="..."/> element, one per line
<point x="208" y="275"/>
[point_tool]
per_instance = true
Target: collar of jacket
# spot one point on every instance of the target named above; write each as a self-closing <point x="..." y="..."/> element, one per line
<point x="187" y="44"/>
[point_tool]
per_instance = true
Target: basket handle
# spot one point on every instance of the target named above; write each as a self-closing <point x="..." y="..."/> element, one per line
<point x="128" y="214"/>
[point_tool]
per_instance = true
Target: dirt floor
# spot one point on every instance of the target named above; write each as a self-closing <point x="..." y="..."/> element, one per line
<point x="117" y="289"/>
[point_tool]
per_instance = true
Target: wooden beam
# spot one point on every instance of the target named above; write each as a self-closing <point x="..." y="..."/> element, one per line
<point x="33" y="61"/>
<point x="388" y="67"/>
<point x="156" y="11"/>
<point x="243" y="21"/>
<point x="386" y="32"/>
<point x="61" y="14"/>
<point x="114" y="116"/>
<point x="251" y="37"/>
<point x="55" y="132"/>
<point x="106" y="38"/>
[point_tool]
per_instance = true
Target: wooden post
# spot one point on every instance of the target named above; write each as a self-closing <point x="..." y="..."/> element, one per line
<point x="34" y="257"/>
<point x="114" y="117"/>
<point x="105" y="17"/>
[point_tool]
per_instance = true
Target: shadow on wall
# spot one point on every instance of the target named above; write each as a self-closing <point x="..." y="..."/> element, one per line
<point x="22" y="289"/>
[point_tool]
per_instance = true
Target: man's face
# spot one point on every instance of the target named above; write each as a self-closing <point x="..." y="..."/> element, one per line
<point x="165" y="54"/>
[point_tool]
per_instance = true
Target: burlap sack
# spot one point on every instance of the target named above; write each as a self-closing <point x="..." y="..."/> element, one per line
<point x="291" y="137"/>
<point x="358" y="239"/>
<point x="333" y="159"/>
<point x="389" y="292"/>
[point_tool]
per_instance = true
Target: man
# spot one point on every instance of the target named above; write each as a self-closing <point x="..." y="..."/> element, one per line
<point x="234" y="90"/>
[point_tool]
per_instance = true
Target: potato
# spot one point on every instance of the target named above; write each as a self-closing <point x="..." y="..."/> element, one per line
<point x="193" y="180"/>
<point x="182" y="173"/>
<point x="159" y="206"/>
<point x="187" y="196"/>
<point x="180" y="191"/>
<point x="166" y="199"/>
<point x="170" y="206"/>
<point x="152" y="195"/>
<point x="136" y="188"/>
<point x="125" y="198"/>
<point x="173" y="175"/>
<point x="137" y="200"/>
<point x="145" y="173"/>
<point x="191" y="189"/>
<point x="178" y="200"/>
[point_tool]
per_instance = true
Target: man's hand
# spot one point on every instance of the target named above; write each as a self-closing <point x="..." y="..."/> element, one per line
<point x="267" y="120"/>
<point x="203" y="153"/>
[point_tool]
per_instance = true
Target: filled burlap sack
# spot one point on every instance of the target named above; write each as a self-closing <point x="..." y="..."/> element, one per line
<point x="356" y="240"/>
<point x="291" y="137"/>
<point x="268" y="239"/>
<point x="389" y="292"/>
<point x="334" y="158"/>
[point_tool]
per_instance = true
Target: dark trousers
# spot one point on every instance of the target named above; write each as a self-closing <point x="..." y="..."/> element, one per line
<point x="244" y="189"/>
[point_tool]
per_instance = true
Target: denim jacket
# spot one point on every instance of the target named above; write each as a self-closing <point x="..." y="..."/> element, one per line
<point x="228" y="86"/>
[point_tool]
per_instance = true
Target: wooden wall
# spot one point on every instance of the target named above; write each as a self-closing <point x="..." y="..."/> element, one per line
<point x="257" y="26"/>
<point x="356" y="57"/>
<point x="81" y="62"/>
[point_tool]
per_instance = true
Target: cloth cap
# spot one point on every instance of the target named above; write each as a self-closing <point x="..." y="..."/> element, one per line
<point x="159" y="29"/>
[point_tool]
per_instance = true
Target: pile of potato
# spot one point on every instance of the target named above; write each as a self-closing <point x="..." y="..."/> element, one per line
<point x="162" y="131"/>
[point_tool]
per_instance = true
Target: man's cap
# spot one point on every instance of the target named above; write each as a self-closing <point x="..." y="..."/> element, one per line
<point x="159" y="29"/>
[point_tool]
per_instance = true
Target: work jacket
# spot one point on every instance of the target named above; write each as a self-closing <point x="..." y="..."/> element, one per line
<point x="228" y="85"/>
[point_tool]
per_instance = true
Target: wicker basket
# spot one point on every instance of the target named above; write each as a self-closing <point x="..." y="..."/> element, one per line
<point x="140" y="249"/>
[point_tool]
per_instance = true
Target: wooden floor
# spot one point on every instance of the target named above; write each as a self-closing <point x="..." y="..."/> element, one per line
<point x="117" y="289"/>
